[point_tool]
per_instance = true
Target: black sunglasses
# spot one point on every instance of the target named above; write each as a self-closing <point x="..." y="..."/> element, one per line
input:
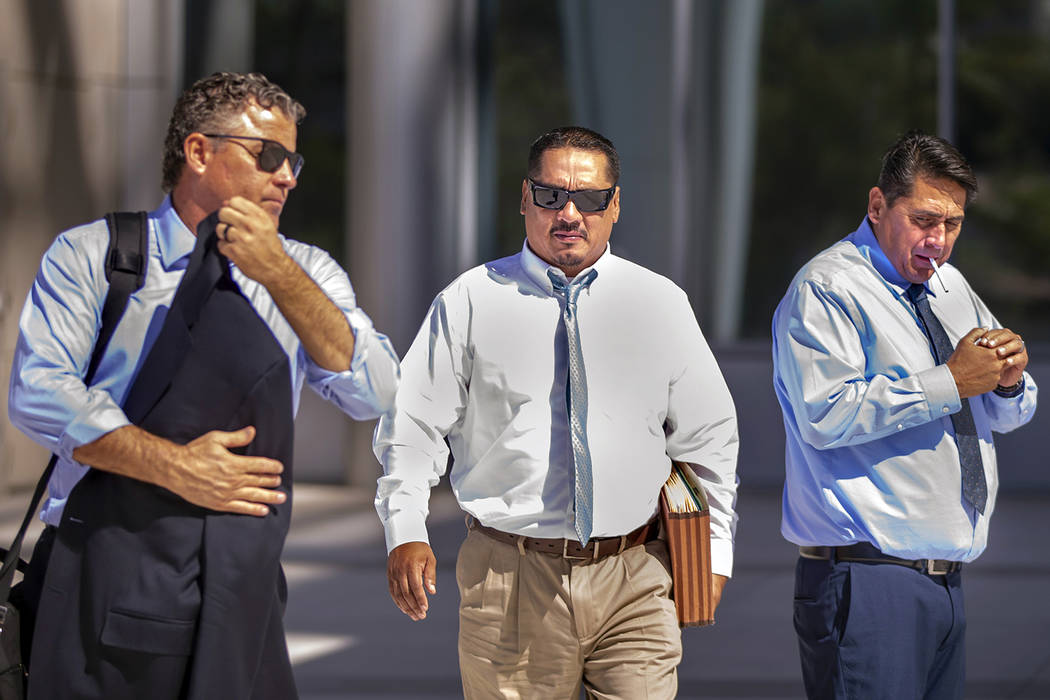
<point x="584" y="200"/>
<point x="272" y="155"/>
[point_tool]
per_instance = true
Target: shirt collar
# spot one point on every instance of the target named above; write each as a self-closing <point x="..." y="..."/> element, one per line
<point x="536" y="268"/>
<point x="868" y="245"/>
<point x="174" y="239"/>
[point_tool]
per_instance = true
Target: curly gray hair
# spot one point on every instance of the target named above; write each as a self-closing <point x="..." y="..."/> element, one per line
<point x="210" y="104"/>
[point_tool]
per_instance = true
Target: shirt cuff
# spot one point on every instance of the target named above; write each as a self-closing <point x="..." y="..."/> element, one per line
<point x="361" y="326"/>
<point x="89" y="425"/>
<point x="368" y="388"/>
<point x="942" y="395"/>
<point x="404" y="528"/>
<point x="721" y="557"/>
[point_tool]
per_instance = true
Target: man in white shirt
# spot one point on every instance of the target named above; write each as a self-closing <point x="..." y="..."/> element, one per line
<point x="565" y="379"/>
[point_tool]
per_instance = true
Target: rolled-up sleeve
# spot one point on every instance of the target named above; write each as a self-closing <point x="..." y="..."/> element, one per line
<point x="367" y="389"/>
<point x="48" y="400"/>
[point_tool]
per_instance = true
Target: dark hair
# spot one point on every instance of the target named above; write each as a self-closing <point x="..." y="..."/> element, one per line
<point x="211" y="104"/>
<point x="574" y="137"/>
<point x="918" y="154"/>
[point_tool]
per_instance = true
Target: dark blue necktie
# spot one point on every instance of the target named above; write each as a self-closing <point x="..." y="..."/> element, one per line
<point x="576" y="393"/>
<point x="974" y="488"/>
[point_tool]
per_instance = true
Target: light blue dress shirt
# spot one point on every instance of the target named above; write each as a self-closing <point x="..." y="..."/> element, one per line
<point x="871" y="453"/>
<point x="62" y="315"/>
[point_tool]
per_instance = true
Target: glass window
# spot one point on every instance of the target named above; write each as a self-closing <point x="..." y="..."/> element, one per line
<point x="529" y="90"/>
<point x="302" y="47"/>
<point x="841" y="80"/>
<point x="1003" y="97"/>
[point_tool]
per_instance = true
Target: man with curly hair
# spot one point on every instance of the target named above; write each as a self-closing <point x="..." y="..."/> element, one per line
<point x="158" y="571"/>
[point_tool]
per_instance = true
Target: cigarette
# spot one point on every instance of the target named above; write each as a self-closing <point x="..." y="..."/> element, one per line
<point x="937" y="272"/>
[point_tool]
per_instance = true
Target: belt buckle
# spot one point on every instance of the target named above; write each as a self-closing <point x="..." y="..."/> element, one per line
<point x="938" y="567"/>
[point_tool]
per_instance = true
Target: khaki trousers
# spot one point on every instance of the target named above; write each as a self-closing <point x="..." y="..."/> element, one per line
<point x="536" y="626"/>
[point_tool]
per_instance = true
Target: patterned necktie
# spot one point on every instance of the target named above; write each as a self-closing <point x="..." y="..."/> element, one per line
<point x="576" y="400"/>
<point x="974" y="487"/>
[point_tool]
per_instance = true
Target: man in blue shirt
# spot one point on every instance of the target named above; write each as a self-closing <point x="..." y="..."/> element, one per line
<point x="230" y="148"/>
<point x="892" y="375"/>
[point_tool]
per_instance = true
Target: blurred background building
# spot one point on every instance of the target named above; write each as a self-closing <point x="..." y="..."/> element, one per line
<point x="750" y="131"/>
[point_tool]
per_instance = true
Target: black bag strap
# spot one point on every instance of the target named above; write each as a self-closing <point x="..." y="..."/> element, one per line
<point x="125" y="270"/>
<point x="125" y="266"/>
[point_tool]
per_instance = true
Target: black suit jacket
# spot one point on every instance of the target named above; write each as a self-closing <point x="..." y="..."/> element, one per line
<point x="147" y="595"/>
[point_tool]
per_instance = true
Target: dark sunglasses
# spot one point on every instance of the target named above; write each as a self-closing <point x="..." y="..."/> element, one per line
<point x="272" y="155"/>
<point x="584" y="200"/>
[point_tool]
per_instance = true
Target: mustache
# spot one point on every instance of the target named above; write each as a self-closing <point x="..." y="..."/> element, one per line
<point x="569" y="227"/>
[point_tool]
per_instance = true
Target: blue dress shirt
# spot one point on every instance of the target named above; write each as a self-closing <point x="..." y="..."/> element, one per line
<point x="62" y="316"/>
<point x="871" y="454"/>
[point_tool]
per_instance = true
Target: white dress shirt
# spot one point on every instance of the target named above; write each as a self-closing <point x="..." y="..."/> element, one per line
<point x="63" y="312"/>
<point x="871" y="453"/>
<point x="488" y="372"/>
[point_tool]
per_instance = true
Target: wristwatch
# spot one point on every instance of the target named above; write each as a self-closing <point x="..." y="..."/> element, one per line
<point x="1009" y="392"/>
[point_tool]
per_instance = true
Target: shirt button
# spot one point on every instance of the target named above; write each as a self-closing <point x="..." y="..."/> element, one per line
<point x="944" y="410"/>
<point x="900" y="427"/>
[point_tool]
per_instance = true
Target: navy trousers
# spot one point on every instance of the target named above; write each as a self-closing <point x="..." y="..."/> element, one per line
<point x="879" y="631"/>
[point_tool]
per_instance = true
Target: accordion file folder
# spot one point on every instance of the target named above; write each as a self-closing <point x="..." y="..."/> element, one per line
<point x="687" y="526"/>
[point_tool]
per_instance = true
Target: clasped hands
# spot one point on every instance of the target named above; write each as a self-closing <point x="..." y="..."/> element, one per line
<point x="985" y="359"/>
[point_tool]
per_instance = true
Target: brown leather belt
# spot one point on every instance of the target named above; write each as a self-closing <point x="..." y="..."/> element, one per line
<point x="597" y="548"/>
<point x="867" y="553"/>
